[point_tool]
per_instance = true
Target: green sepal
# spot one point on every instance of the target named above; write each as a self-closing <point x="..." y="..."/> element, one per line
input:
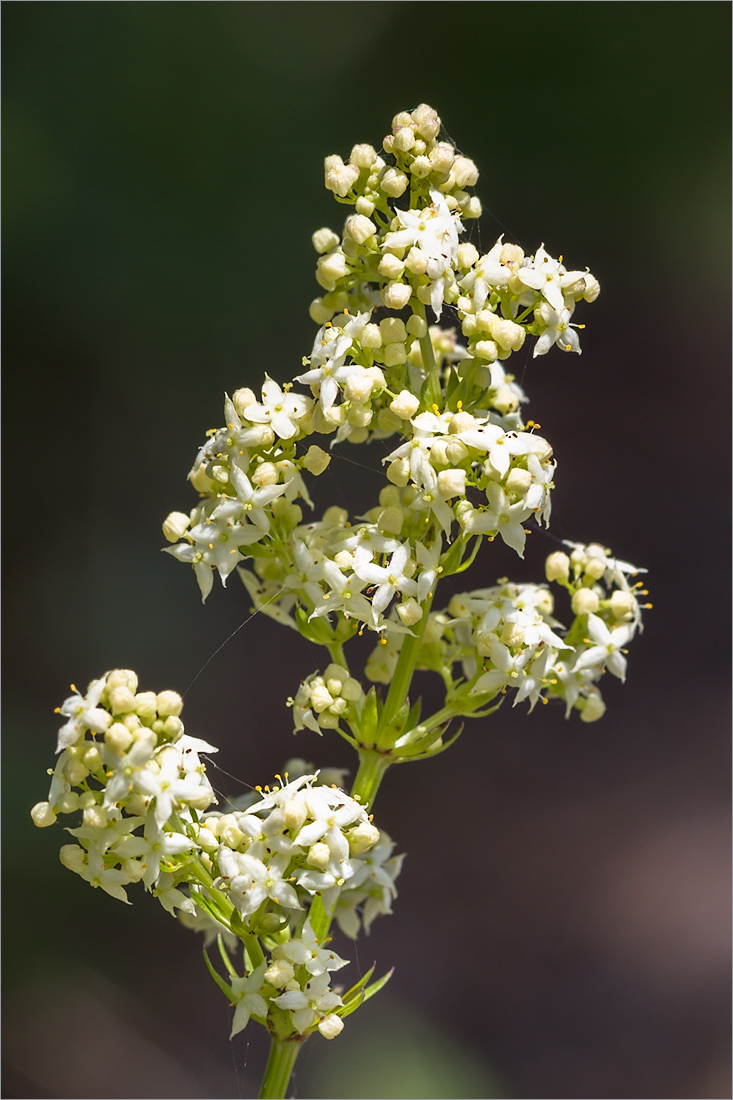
<point x="226" y="990"/>
<point x="451" y="560"/>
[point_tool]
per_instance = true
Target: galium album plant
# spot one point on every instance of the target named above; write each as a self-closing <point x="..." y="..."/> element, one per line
<point x="416" y="330"/>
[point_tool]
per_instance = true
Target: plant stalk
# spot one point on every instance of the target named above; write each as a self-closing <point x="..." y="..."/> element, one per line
<point x="283" y="1053"/>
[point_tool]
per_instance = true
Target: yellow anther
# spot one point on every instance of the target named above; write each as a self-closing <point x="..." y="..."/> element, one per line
<point x="559" y="259"/>
<point x="459" y="405"/>
<point x="57" y="710"/>
<point x="580" y="326"/>
<point x="436" y="408"/>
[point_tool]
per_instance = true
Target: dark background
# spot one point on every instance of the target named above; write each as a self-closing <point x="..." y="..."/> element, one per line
<point x="562" y="926"/>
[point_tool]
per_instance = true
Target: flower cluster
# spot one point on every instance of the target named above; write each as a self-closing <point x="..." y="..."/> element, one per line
<point x="139" y="783"/>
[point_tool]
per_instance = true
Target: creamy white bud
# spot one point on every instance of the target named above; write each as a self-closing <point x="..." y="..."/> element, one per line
<point x="324" y="239"/>
<point x="398" y="472"/>
<point x="426" y="121"/>
<point x="390" y="266"/>
<point x="392" y="330"/>
<point x="465" y="172"/>
<point x="390" y="521"/>
<point x="359" y="416"/>
<point x="394" y="183"/>
<point x="421" y="167"/>
<point x="95" y="817"/>
<point x="146" y="706"/>
<point x="557" y="566"/>
<point x="507" y="334"/>
<point x="339" y="177"/>
<point x="405" y="405"/>
<point x="118" y="737"/>
<point x="593" y="708"/>
<point x="351" y="690"/>
<point x="319" y="312"/>
<point x="394" y="354"/>
<point x="279" y="973"/>
<point x="409" y="612"/>
<point x="596" y="567"/>
<point x="265" y="474"/>
<point x="362" y="837"/>
<point x="242" y="399"/>
<point x="316" y="460"/>
<point x="363" y="156"/>
<point x="484" y="349"/>
<point x="452" y="483"/>
<point x="43" y="815"/>
<point x="584" y="601"/>
<point x="518" y="481"/>
<point x="371" y="336"/>
<point x="332" y="266"/>
<point x="404" y="139"/>
<point x="169" y="702"/>
<point x="592" y="288"/>
<point x="442" y="156"/>
<point x="319" y="855"/>
<point x="396" y="295"/>
<point x="330" y="1026"/>
<point x="622" y="604"/>
<point x="416" y="261"/>
<point x="73" y="857"/>
<point x="359" y="228"/>
<point x="320" y="696"/>
<point x="121" y="700"/>
<point x="417" y="326"/>
<point x="471" y="208"/>
<point x="122" y="677"/>
<point x="467" y="256"/>
<point x="175" y="525"/>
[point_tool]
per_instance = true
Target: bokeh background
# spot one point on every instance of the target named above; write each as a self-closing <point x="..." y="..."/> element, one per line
<point x="563" y="922"/>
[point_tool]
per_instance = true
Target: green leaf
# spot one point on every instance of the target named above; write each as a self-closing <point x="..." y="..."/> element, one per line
<point x="358" y="996"/>
<point x="225" y="956"/>
<point x="226" y="990"/>
<point x="319" y="918"/>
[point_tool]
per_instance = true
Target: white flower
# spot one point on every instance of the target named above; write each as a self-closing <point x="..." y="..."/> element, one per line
<point x="558" y="330"/>
<point x="250" y="1002"/>
<point x="388" y="579"/>
<point x="434" y="230"/>
<point x="83" y="713"/>
<point x="549" y="277"/>
<point x="309" y="1004"/>
<point x="280" y="409"/>
<point x="305" y="951"/>
<point x="608" y="647"/>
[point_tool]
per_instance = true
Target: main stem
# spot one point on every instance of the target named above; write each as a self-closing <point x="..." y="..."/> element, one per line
<point x="435" y="390"/>
<point x="283" y="1053"/>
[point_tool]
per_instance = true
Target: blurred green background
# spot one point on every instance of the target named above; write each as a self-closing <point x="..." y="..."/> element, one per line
<point x="562" y="927"/>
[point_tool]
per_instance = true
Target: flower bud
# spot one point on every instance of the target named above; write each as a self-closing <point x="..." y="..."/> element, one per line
<point x="396" y="295"/>
<point x="363" y="156"/>
<point x="518" y="481"/>
<point x="557" y="566"/>
<point x="330" y="1026"/>
<point x="452" y="483"/>
<point x="118" y="737"/>
<point x="359" y="228"/>
<point x="622" y="604"/>
<point x="146" y="706"/>
<point x="121" y="700"/>
<point x="73" y="857"/>
<point x="390" y="521"/>
<point x="319" y="855"/>
<point x="416" y="261"/>
<point x="409" y="612"/>
<point x="265" y="474"/>
<point x="339" y="177"/>
<point x="584" y="601"/>
<point x="43" y="815"/>
<point x="593" y="708"/>
<point x="398" y="472"/>
<point x="394" y="183"/>
<point x="362" y="837"/>
<point x="394" y="355"/>
<point x="279" y="973"/>
<point x="467" y="255"/>
<point x="316" y="460"/>
<point x="471" y="208"/>
<point x="390" y="266"/>
<point x="417" y="326"/>
<point x="95" y="817"/>
<point x="371" y="336"/>
<point x="421" y="167"/>
<point x="484" y="349"/>
<point x="465" y="172"/>
<point x="175" y="525"/>
<point x="169" y="702"/>
<point x="442" y="156"/>
<point x="324" y="239"/>
<point x="332" y="266"/>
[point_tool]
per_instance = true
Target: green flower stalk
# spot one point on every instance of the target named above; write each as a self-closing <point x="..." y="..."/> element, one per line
<point x="269" y="879"/>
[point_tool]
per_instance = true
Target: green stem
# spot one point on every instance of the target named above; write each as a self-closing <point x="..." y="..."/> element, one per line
<point x="336" y="653"/>
<point x="403" y="673"/>
<point x="372" y="769"/>
<point x="435" y="390"/>
<point x="283" y="1053"/>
